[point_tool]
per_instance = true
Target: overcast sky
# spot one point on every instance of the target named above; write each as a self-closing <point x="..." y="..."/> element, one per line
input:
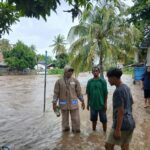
<point x="40" y="33"/>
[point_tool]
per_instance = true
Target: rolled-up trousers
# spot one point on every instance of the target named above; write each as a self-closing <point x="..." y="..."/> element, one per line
<point x="75" y="119"/>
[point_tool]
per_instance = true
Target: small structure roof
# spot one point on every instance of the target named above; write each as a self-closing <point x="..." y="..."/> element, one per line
<point x="51" y="65"/>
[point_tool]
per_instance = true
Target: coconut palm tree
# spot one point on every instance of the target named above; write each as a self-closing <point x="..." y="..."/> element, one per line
<point x="59" y="44"/>
<point x="99" y="34"/>
<point x="131" y="50"/>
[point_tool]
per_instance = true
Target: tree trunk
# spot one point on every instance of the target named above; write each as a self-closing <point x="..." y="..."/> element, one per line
<point x="136" y="56"/>
<point x="101" y="61"/>
<point x="101" y="65"/>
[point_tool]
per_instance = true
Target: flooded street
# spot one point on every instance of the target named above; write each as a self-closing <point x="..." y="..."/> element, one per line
<point x="24" y="126"/>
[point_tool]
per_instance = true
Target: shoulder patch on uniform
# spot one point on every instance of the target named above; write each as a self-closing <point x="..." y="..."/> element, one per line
<point x="72" y="83"/>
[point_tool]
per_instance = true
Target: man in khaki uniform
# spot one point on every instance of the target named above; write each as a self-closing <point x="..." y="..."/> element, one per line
<point x="67" y="91"/>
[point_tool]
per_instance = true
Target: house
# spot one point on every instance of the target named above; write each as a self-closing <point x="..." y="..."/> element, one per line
<point x="3" y="65"/>
<point x="40" y="66"/>
<point x="1" y="57"/>
<point x="146" y="45"/>
<point x="50" y="66"/>
<point x="2" y="62"/>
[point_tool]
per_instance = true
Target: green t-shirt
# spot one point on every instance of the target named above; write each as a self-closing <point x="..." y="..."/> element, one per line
<point x="97" y="91"/>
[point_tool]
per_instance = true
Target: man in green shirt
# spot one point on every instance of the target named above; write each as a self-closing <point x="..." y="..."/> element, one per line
<point x="97" y="99"/>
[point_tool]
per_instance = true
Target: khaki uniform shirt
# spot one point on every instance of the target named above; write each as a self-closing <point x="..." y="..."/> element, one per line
<point x="67" y="91"/>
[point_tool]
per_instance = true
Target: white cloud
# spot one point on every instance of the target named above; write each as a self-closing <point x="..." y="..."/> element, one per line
<point x="41" y="33"/>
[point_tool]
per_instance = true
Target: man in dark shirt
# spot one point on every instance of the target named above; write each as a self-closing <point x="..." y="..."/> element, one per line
<point x="146" y="86"/>
<point x="123" y="122"/>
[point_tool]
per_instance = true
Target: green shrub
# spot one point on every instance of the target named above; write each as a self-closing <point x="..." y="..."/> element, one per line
<point x="128" y="70"/>
<point x="55" y="71"/>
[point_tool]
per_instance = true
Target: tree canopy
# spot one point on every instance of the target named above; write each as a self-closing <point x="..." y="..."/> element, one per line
<point x="8" y="16"/>
<point x="61" y="60"/>
<point x="41" y="57"/>
<point x="140" y="13"/>
<point x="59" y="44"/>
<point x="41" y="8"/>
<point x="20" y="57"/>
<point x="100" y="34"/>
<point x="11" y="10"/>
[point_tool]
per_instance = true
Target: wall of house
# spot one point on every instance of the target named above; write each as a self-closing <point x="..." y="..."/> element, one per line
<point x="40" y="67"/>
<point x="1" y="57"/>
<point x="3" y="70"/>
<point x="148" y="57"/>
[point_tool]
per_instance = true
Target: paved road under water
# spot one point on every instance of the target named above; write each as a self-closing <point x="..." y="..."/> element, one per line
<point x="24" y="126"/>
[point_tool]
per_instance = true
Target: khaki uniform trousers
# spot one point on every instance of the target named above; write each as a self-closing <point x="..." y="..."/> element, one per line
<point x="75" y="119"/>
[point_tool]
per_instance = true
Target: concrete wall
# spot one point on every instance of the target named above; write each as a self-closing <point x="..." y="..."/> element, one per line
<point x="3" y="71"/>
<point x="148" y="57"/>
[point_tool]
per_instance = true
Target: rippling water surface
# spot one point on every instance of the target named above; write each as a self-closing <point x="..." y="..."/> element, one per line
<point x="24" y="126"/>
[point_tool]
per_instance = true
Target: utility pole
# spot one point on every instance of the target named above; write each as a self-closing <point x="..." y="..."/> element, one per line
<point x="45" y="81"/>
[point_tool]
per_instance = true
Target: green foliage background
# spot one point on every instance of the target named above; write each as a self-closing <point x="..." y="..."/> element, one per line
<point x="20" y="57"/>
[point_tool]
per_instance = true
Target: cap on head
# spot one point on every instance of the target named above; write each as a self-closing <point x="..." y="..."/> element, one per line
<point x="114" y="72"/>
<point x="68" y="68"/>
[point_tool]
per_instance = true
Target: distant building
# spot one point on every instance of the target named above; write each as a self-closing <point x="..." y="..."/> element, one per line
<point x="41" y="66"/>
<point x="148" y="57"/>
<point x="3" y="65"/>
<point x="1" y="57"/>
<point x="146" y="45"/>
<point x="50" y="66"/>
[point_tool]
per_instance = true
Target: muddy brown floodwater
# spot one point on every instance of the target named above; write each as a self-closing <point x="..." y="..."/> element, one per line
<point x="23" y="125"/>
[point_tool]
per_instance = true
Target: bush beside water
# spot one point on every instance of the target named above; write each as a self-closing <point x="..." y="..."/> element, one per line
<point x="55" y="71"/>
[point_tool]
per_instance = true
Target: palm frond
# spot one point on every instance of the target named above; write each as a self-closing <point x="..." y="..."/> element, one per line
<point x="75" y="47"/>
<point x="77" y="31"/>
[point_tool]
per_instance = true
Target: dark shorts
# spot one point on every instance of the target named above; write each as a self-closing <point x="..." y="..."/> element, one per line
<point x="146" y="93"/>
<point x="94" y="115"/>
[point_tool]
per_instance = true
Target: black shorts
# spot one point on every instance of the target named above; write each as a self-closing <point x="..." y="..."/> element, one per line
<point x="146" y="93"/>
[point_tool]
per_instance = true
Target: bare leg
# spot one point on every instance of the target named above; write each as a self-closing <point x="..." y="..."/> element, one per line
<point x="146" y="100"/>
<point x="109" y="146"/>
<point x="149" y="101"/>
<point x="104" y="127"/>
<point x="94" y="125"/>
<point x="125" y="147"/>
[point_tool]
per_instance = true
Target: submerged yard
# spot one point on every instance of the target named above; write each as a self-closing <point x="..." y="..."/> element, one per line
<point x="23" y="125"/>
